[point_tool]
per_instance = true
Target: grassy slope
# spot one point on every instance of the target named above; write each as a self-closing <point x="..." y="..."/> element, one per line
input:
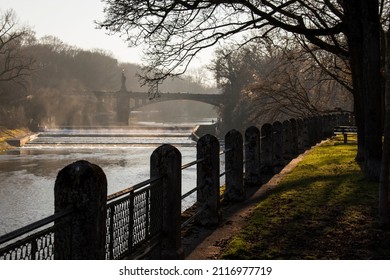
<point x="10" y="133"/>
<point x="324" y="209"/>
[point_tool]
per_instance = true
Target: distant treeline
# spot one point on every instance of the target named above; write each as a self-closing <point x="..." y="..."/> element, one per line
<point x="48" y="81"/>
<point x="44" y="81"/>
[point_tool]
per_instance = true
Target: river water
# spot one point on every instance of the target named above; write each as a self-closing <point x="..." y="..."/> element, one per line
<point x="27" y="174"/>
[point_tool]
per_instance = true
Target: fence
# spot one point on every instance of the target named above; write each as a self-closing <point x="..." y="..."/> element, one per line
<point x="144" y="221"/>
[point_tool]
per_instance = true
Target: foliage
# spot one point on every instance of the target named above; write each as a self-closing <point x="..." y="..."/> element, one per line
<point x="324" y="209"/>
<point x="264" y="81"/>
<point x="176" y="31"/>
<point x="45" y="81"/>
<point x="233" y="71"/>
<point x="290" y="83"/>
<point x="14" y="64"/>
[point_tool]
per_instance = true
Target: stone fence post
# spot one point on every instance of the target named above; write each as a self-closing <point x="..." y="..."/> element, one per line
<point x="277" y="149"/>
<point x="294" y="137"/>
<point x="266" y="149"/>
<point x="311" y="131"/>
<point x="287" y="141"/>
<point x="252" y="156"/>
<point x="327" y="120"/>
<point x="301" y="136"/>
<point x="166" y="161"/>
<point x="318" y="129"/>
<point x="234" y="167"/>
<point x="82" y="186"/>
<point x="208" y="181"/>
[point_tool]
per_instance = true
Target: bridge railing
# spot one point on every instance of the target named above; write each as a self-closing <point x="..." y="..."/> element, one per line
<point x="145" y="220"/>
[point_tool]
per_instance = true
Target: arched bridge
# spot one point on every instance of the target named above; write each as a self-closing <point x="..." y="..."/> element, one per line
<point x="126" y="101"/>
<point x="139" y="99"/>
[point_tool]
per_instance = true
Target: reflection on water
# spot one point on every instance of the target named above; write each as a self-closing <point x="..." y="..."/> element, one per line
<point x="27" y="175"/>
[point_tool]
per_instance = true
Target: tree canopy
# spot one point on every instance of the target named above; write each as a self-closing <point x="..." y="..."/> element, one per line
<point x="14" y="64"/>
<point x="176" y="31"/>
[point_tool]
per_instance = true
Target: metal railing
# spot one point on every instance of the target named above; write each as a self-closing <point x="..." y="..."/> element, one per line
<point x="36" y="241"/>
<point x="132" y="219"/>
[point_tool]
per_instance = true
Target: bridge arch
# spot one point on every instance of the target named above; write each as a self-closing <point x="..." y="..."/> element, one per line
<point x="138" y="100"/>
<point x="126" y="101"/>
<point x="138" y="103"/>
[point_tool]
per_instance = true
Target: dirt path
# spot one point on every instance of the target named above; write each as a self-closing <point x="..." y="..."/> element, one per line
<point x="201" y="244"/>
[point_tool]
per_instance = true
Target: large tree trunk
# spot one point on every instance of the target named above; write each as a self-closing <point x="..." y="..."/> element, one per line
<point x="384" y="176"/>
<point x="363" y="34"/>
<point x="384" y="218"/>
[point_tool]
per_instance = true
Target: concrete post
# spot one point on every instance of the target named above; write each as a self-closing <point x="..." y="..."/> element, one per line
<point x="234" y="167"/>
<point x="208" y="181"/>
<point x="329" y="127"/>
<point x="301" y="137"/>
<point x="318" y="129"/>
<point x="266" y="149"/>
<point x="306" y="133"/>
<point x="166" y="161"/>
<point x="277" y="140"/>
<point x="287" y="140"/>
<point x="252" y="156"/>
<point x="294" y="137"/>
<point x="82" y="186"/>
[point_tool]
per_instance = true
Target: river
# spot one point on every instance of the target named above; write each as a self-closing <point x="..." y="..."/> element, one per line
<point x="27" y="174"/>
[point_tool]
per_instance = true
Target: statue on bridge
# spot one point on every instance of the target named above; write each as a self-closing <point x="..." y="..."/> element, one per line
<point x="122" y="107"/>
<point x="123" y="81"/>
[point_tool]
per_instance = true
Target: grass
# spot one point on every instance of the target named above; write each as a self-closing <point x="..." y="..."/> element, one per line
<point x="324" y="209"/>
<point x="10" y="133"/>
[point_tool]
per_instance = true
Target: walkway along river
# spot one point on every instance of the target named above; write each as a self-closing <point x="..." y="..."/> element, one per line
<point x="27" y="174"/>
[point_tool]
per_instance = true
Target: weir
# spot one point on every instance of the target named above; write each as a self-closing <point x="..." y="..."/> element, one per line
<point x="94" y="136"/>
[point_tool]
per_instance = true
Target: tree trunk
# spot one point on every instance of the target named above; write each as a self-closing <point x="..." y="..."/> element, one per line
<point x="363" y="34"/>
<point x="384" y="176"/>
<point x="359" y="121"/>
<point x="384" y="218"/>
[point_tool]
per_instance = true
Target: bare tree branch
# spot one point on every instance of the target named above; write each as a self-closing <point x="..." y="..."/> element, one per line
<point x="14" y="64"/>
<point x="176" y="31"/>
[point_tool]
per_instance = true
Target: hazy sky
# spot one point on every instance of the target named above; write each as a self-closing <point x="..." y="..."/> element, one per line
<point x="72" y="21"/>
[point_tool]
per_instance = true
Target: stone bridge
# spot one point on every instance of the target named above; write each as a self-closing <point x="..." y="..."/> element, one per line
<point x="125" y="101"/>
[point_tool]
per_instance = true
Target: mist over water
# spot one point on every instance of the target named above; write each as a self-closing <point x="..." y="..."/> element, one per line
<point x="27" y="175"/>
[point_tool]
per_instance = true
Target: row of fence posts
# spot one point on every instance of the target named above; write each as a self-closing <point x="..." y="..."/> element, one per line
<point x="83" y="185"/>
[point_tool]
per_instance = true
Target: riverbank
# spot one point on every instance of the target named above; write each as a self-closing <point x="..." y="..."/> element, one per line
<point x="6" y="133"/>
<point x="323" y="209"/>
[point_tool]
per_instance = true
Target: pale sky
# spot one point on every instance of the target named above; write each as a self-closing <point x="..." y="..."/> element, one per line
<point x="72" y="21"/>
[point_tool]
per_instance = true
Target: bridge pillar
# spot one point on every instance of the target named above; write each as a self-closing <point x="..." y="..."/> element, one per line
<point x="123" y="108"/>
<point x="122" y="105"/>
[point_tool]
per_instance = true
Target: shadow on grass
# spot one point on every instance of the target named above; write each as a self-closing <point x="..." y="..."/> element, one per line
<point x="324" y="209"/>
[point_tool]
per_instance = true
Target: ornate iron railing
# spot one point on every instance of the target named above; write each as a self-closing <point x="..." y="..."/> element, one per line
<point x="36" y="241"/>
<point x="133" y="220"/>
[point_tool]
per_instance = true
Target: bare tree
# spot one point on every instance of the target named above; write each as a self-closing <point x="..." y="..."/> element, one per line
<point x="15" y="65"/>
<point x="175" y="31"/>
<point x="292" y="83"/>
